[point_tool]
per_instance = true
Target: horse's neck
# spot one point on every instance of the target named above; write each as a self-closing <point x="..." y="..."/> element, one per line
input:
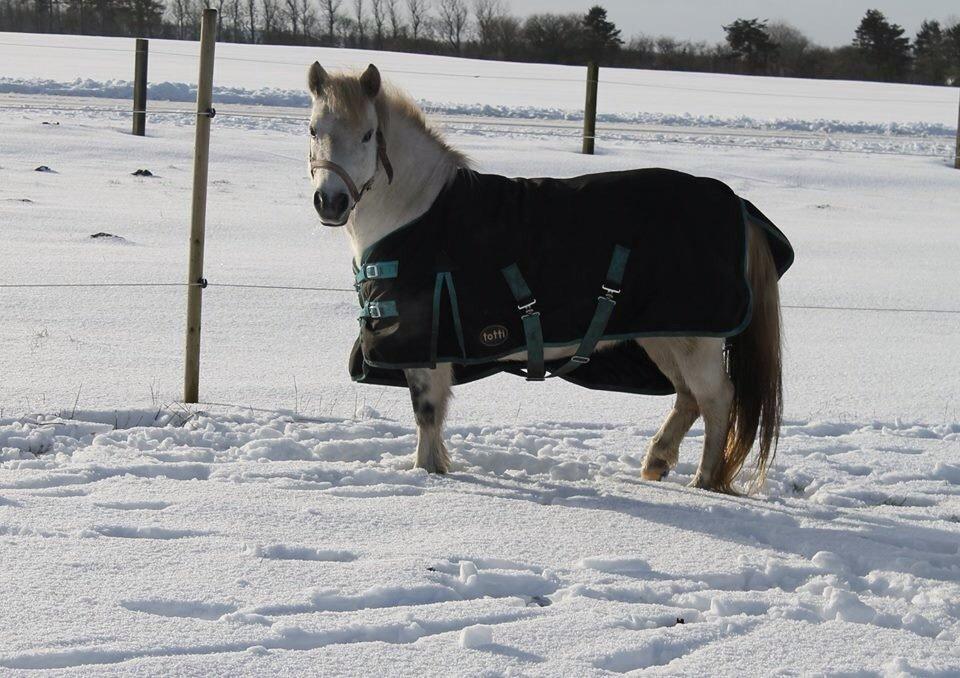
<point x="421" y="168"/>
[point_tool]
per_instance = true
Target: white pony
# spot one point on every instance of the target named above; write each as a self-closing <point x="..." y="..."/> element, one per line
<point x="377" y="165"/>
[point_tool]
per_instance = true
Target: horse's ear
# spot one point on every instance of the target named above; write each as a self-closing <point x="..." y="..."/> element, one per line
<point x="370" y="81"/>
<point x="316" y="78"/>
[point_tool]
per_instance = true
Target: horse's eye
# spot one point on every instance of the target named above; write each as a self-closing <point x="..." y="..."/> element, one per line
<point x="313" y="131"/>
<point x="367" y="136"/>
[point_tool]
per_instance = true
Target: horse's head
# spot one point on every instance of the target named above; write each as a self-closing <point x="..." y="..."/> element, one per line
<point x="346" y="140"/>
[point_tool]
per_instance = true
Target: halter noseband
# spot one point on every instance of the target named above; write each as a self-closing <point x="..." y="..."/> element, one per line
<point x="356" y="193"/>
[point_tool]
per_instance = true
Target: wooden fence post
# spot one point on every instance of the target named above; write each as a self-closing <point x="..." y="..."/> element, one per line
<point x="140" y="88"/>
<point x="590" y="108"/>
<point x="201" y="157"/>
<point x="956" y="157"/>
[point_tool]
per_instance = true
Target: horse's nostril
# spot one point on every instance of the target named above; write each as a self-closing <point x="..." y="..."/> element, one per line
<point x="330" y="207"/>
<point x="340" y="203"/>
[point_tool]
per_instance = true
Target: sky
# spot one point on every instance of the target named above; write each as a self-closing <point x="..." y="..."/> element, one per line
<point x="828" y="22"/>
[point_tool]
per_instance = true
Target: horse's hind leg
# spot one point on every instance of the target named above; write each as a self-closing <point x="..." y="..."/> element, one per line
<point x="429" y="393"/>
<point x="664" y="450"/>
<point x="706" y="376"/>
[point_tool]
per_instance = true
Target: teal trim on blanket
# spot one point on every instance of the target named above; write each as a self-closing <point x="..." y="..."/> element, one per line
<point x="457" y="326"/>
<point x="435" y="317"/>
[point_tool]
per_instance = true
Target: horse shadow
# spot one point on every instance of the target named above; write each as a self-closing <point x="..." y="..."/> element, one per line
<point x="864" y="543"/>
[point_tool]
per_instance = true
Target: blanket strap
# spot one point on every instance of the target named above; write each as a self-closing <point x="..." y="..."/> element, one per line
<point x="601" y="317"/>
<point x="380" y="270"/>
<point x="530" y="318"/>
<point x="378" y="309"/>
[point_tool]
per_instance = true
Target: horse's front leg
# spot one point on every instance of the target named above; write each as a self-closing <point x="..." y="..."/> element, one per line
<point x="430" y="392"/>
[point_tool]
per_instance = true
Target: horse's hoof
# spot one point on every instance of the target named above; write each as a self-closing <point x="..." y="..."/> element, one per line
<point x="431" y="468"/>
<point x="657" y="469"/>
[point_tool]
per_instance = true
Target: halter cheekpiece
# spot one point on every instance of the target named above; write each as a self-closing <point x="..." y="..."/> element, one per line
<point x="356" y="193"/>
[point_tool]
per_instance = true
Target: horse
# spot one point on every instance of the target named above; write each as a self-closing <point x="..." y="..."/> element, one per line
<point x="376" y="165"/>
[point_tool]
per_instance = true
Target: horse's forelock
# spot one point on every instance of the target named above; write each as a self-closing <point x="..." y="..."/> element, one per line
<point x="343" y="96"/>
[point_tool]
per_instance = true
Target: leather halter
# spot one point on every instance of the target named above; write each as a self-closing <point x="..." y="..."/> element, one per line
<point x="356" y="193"/>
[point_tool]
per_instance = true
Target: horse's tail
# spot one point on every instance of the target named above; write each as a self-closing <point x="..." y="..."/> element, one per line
<point x="754" y="366"/>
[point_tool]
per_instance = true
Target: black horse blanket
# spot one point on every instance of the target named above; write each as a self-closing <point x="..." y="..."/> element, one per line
<point x="498" y="266"/>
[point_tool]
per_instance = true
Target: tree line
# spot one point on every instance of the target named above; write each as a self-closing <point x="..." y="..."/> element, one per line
<point x="486" y="29"/>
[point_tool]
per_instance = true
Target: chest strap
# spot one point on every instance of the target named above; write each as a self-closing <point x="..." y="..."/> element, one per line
<point x="380" y="270"/>
<point x="533" y="331"/>
<point x="378" y="309"/>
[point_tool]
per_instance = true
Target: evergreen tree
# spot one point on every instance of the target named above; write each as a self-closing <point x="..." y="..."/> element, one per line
<point x="930" y="54"/>
<point x="883" y="44"/>
<point x="602" y="37"/>
<point x="146" y="17"/>
<point x="750" y="42"/>
<point x="951" y="51"/>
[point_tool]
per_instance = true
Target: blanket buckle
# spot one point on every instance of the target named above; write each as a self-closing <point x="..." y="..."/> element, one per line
<point x="373" y="310"/>
<point x="371" y="271"/>
<point x="527" y="309"/>
<point x="610" y="292"/>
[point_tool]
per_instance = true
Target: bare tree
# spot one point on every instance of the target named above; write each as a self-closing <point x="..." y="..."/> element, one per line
<point x="396" y="21"/>
<point x="453" y="22"/>
<point x="271" y="11"/>
<point x="330" y="10"/>
<point x="292" y="11"/>
<point x="361" y="21"/>
<point x="232" y="10"/>
<point x="250" y="14"/>
<point x="487" y="14"/>
<point x="418" y="15"/>
<point x="308" y="18"/>
<point x="182" y="11"/>
<point x="378" y="10"/>
<point x="345" y="28"/>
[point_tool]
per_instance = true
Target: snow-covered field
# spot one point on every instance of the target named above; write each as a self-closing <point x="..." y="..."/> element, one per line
<point x="283" y="530"/>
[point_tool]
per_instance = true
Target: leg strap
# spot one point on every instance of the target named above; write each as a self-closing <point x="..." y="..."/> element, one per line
<point x="598" y="324"/>
<point x="601" y="317"/>
<point x="530" y="318"/>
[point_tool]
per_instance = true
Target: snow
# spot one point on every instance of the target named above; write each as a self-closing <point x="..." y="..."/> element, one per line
<point x="477" y="636"/>
<point x="275" y="75"/>
<point x="280" y="529"/>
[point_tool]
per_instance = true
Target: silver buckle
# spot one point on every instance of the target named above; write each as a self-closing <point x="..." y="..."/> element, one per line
<point x="527" y="309"/>
<point x="609" y="292"/>
<point x="373" y="309"/>
<point x="583" y="360"/>
<point x="371" y="271"/>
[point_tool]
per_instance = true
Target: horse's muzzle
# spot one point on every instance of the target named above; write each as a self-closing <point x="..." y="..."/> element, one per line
<point x="333" y="210"/>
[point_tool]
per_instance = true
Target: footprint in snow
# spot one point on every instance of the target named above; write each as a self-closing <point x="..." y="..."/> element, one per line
<point x="109" y="237"/>
<point x="134" y="505"/>
<point x="297" y="552"/>
<point x="146" y="532"/>
<point x="188" y="609"/>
